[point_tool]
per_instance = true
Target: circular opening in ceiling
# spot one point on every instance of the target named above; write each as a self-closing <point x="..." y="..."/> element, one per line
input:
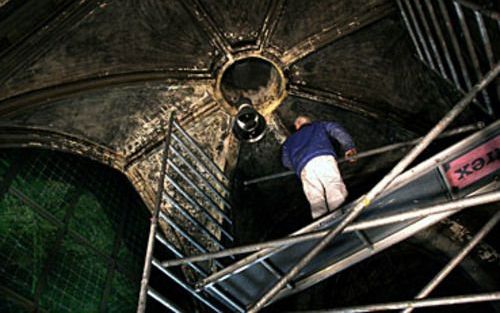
<point x="256" y="79"/>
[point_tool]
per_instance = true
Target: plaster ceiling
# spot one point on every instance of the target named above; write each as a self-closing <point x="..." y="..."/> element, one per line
<point x="100" y="78"/>
<point x="107" y="72"/>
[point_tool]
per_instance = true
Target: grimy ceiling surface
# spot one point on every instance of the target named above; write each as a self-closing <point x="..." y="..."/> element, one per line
<point x="99" y="78"/>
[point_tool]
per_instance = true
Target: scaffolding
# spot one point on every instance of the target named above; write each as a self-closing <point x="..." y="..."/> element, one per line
<point x="214" y="213"/>
<point x="308" y="261"/>
<point x="452" y="39"/>
<point x="407" y="218"/>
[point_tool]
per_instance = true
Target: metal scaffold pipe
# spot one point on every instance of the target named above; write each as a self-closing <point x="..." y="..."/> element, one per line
<point x="457" y="259"/>
<point x="380" y="150"/>
<point x="371" y="223"/>
<point x="158" y="297"/>
<point x="480" y="8"/>
<point x="378" y="188"/>
<point x="462" y="299"/>
<point x="141" y="307"/>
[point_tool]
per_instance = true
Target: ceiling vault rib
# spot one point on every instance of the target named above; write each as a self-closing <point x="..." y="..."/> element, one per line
<point x="273" y="16"/>
<point x="24" y="54"/>
<point x="37" y="97"/>
<point x="335" y="32"/>
<point x="205" y="109"/>
<point x="332" y="98"/>
<point x="15" y="136"/>
<point x="328" y="97"/>
<point x="201" y="15"/>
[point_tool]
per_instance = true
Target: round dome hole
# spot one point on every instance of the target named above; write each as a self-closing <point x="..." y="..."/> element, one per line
<point x="256" y="79"/>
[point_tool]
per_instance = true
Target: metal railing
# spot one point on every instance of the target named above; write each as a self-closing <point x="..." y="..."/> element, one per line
<point x="446" y="47"/>
<point x="264" y="250"/>
<point x="209" y="283"/>
<point x="202" y="202"/>
<point x="377" y="151"/>
<point x="461" y="299"/>
<point x="376" y="190"/>
<point x="419" y="301"/>
<point x="456" y="260"/>
<point x="391" y="218"/>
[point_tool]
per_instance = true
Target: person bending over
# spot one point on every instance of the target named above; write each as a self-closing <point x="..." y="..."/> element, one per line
<point x="310" y="153"/>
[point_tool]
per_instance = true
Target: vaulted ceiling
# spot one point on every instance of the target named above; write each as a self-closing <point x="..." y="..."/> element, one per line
<point x="99" y="78"/>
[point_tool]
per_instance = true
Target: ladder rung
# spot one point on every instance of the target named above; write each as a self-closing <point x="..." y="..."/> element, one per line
<point x="185" y="286"/>
<point x="164" y="301"/>
<point x="275" y="271"/>
<point x="365" y="239"/>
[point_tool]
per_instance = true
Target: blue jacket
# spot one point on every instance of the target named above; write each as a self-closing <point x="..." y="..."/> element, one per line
<point x="313" y="140"/>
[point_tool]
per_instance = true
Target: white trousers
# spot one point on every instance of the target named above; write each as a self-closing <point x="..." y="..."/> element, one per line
<point x="323" y="185"/>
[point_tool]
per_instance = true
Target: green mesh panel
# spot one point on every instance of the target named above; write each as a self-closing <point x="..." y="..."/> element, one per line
<point x="25" y="238"/>
<point x="90" y="220"/>
<point x="61" y="218"/>
<point x="44" y="185"/>
<point x="9" y="306"/>
<point x="4" y="166"/>
<point x="133" y="245"/>
<point x="76" y="281"/>
<point x="122" y="298"/>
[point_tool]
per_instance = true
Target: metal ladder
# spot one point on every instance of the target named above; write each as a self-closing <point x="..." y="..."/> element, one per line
<point x="453" y="39"/>
<point x="237" y="288"/>
<point x="193" y="187"/>
<point x="420" y="189"/>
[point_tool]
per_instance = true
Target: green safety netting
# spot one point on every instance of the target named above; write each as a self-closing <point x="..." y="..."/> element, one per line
<point x="72" y="235"/>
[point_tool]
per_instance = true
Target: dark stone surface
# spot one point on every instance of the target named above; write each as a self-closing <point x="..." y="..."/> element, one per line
<point x="374" y="67"/>
<point x="240" y="21"/>
<point x="275" y="208"/>
<point x="302" y="19"/>
<point x="119" y="117"/>
<point x="17" y="23"/>
<point x="118" y="37"/>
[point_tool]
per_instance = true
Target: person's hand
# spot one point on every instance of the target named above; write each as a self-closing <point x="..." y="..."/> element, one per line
<point x="350" y="155"/>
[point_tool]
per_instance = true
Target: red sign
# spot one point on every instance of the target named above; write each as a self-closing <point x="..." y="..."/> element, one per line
<point x="474" y="165"/>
